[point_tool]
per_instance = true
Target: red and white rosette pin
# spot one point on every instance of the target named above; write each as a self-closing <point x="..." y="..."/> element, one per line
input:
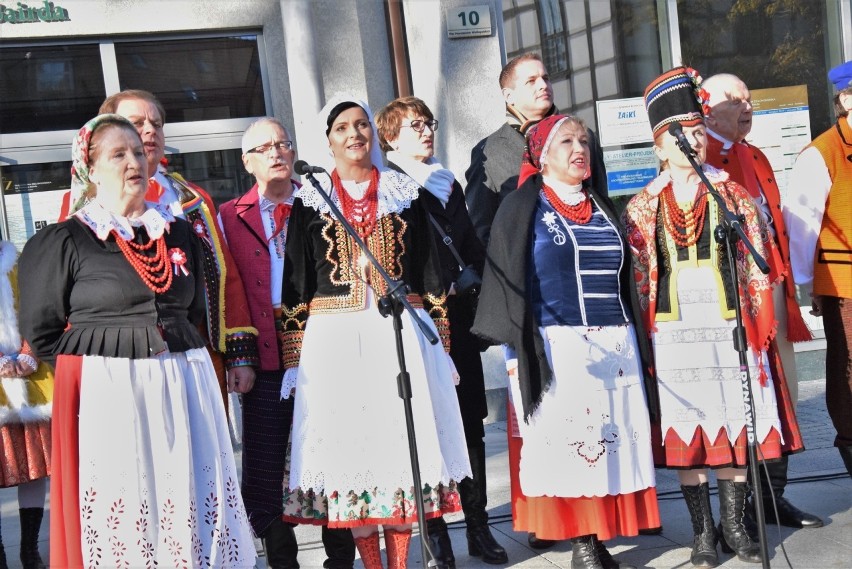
<point x="201" y="230"/>
<point x="178" y="259"/>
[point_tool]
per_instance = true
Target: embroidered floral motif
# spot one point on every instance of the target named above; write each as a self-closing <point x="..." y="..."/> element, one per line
<point x="291" y="331"/>
<point x="303" y="507"/>
<point x="90" y="534"/>
<point x="436" y="306"/>
<point x="549" y="219"/>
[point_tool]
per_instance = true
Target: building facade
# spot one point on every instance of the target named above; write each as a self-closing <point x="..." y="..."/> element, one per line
<point x="218" y="64"/>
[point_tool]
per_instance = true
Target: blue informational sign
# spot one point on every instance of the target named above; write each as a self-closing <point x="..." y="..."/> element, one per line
<point x="629" y="181"/>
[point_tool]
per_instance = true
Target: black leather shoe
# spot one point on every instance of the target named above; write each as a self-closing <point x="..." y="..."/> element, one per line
<point x="651" y="531"/>
<point x="537" y="543"/>
<point x="480" y="543"/>
<point x="789" y="515"/>
<point x="279" y="540"/>
<point x="607" y="560"/>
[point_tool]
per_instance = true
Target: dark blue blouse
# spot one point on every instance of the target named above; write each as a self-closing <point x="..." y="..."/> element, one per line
<point x="574" y="270"/>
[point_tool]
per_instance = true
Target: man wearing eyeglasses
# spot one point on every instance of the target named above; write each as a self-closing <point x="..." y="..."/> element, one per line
<point x="255" y="225"/>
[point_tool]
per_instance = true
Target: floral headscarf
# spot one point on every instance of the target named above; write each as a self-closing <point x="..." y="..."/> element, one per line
<point x="81" y="187"/>
<point x="539" y="138"/>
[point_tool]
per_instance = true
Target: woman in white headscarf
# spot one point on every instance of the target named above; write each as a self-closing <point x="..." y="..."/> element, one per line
<point x="350" y="463"/>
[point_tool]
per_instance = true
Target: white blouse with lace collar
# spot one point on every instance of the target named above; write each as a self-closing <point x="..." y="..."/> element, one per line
<point x="396" y="192"/>
<point x="102" y="222"/>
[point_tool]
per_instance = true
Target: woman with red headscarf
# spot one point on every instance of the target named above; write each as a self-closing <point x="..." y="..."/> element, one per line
<point x="557" y="294"/>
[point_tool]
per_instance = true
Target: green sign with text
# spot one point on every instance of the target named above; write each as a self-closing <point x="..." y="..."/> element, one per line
<point x="24" y="14"/>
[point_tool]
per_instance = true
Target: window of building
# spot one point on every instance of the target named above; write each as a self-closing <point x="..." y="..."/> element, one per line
<point x="49" y="87"/>
<point x="211" y="87"/>
<point x="765" y="42"/>
<point x="196" y="79"/>
<point x="592" y="50"/>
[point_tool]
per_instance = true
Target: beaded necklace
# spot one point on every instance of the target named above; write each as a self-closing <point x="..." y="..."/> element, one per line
<point x="579" y="214"/>
<point x="685" y="227"/>
<point x="362" y="212"/>
<point x="153" y="270"/>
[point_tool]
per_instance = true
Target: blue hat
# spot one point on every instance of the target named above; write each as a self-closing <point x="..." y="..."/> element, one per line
<point x="841" y="76"/>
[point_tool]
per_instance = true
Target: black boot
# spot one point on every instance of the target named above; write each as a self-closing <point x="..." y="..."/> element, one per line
<point x="30" y="526"/>
<point x="280" y="544"/>
<point x="440" y="544"/>
<point x="474" y="498"/>
<point x="773" y="482"/>
<point x="339" y="548"/>
<point x="734" y="536"/>
<point x="704" y="540"/>
<point x="607" y="560"/>
<point x="846" y="455"/>
<point x="3" y="564"/>
<point x="584" y="554"/>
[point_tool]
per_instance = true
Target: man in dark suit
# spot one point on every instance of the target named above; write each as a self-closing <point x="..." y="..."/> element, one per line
<point x="496" y="160"/>
<point x="255" y="226"/>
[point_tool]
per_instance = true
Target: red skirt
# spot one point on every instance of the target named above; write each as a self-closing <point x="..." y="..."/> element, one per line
<point x="701" y="452"/>
<point x="564" y="518"/>
<point x="65" y="540"/>
<point x="26" y="452"/>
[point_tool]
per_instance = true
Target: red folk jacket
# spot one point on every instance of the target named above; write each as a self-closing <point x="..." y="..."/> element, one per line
<point x="759" y="171"/>
<point x="243" y="227"/>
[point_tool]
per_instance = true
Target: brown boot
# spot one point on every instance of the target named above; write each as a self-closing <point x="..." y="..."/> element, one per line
<point x="397" y="543"/>
<point x="368" y="548"/>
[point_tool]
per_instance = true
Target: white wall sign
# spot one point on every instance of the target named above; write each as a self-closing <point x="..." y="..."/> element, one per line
<point x="781" y="127"/>
<point x="623" y="121"/>
<point x="468" y="22"/>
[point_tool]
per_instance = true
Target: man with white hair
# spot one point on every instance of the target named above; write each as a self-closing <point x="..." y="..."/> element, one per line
<point x="729" y="121"/>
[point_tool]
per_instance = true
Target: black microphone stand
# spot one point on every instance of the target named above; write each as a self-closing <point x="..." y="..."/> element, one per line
<point x="392" y="304"/>
<point x="729" y="231"/>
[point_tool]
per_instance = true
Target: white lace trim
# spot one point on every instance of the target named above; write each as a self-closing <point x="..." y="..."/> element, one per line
<point x="396" y="192"/>
<point x="155" y="220"/>
<point x="288" y="382"/>
<point x="660" y="182"/>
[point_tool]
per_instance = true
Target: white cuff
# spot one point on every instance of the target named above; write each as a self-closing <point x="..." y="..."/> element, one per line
<point x="454" y="371"/>
<point x="288" y="383"/>
<point x="31" y="362"/>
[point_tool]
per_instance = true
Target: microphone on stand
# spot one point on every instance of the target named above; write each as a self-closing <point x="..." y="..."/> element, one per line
<point x="302" y="168"/>
<point x="676" y="130"/>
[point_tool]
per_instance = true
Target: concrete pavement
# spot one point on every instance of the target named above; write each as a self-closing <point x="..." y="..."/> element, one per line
<point x="818" y="484"/>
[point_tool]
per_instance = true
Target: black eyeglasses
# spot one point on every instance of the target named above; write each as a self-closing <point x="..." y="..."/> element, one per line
<point x="265" y="148"/>
<point x="418" y="126"/>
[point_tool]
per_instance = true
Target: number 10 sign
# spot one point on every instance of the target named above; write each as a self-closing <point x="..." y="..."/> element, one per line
<point x="468" y="21"/>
